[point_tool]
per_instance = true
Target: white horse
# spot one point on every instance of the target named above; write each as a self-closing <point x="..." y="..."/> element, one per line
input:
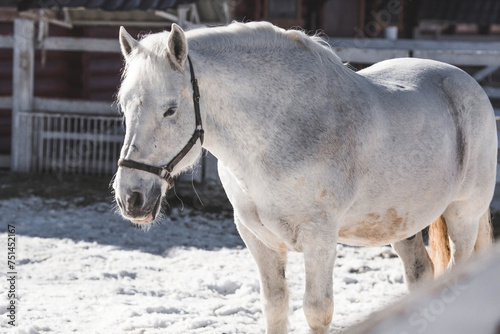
<point x="310" y="153"/>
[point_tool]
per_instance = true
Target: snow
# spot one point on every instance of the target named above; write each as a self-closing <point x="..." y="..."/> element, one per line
<point x="464" y="300"/>
<point x="85" y="269"/>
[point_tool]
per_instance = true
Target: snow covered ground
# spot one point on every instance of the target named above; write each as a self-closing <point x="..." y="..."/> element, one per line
<point x="82" y="269"/>
<point x="464" y="300"/>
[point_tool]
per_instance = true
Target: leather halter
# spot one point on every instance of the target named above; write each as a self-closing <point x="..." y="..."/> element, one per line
<point x="164" y="172"/>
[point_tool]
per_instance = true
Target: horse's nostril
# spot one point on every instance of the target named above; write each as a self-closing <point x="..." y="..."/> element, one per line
<point x="135" y="201"/>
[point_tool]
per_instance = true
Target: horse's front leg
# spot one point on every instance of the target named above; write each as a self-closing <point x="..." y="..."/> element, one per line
<point x="319" y="258"/>
<point x="272" y="265"/>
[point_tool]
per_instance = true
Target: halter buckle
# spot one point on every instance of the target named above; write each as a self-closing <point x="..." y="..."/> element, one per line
<point x="164" y="173"/>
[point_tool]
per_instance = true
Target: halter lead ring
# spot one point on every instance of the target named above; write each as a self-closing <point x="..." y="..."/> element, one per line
<point x="164" y="172"/>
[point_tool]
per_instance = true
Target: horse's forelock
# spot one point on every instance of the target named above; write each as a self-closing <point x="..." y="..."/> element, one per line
<point x="150" y="53"/>
<point x="152" y="47"/>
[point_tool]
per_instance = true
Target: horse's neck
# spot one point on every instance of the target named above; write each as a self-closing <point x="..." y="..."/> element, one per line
<point x="250" y="106"/>
<point x="226" y="125"/>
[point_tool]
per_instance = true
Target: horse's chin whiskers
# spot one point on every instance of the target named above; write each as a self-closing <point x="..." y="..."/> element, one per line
<point x="178" y="197"/>
<point x="144" y="226"/>
<point x="114" y="208"/>
<point x="194" y="188"/>
<point x="147" y="226"/>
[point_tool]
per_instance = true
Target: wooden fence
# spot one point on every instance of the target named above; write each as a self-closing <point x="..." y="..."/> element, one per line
<point x="84" y="136"/>
<point x="58" y="134"/>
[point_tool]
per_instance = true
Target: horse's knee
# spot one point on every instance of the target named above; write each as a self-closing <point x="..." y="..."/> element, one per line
<point x="275" y="305"/>
<point x="318" y="314"/>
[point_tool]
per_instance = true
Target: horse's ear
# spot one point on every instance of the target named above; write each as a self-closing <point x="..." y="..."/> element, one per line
<point x="127" y="43"/>
<point x="177" y="45"/>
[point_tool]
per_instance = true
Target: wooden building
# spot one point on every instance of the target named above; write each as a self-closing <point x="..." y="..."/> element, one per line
<point x="422" y="19"/>
<point x="477" y="20"/>
<point x="76" y="62"/>
<point x="335" y="18"/>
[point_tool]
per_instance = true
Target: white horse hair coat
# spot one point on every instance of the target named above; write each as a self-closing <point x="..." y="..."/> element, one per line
<point x="311" y="153"/>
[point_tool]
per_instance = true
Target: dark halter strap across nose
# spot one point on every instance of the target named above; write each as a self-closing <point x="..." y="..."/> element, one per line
<point x="165" y="171"/>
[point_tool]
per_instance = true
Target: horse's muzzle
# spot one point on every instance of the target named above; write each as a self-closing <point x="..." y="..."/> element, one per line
<point x="138" y="207"/>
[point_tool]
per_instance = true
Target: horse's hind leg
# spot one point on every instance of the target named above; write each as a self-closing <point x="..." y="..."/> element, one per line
<point x="417" y="265"/>
<point x="462" y="222"/>
<point x="271" y="264"/>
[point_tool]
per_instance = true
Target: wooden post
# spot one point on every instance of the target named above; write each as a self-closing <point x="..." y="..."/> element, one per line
<point x="22" y="93"/>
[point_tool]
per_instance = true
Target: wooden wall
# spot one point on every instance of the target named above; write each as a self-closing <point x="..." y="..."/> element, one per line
<point x="93" y="76"/>
<point x="5" y="90"/>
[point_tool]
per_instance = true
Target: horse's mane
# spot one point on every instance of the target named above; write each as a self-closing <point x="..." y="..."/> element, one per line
<point x="244" y="37"/>
<point x="248" y="37"/>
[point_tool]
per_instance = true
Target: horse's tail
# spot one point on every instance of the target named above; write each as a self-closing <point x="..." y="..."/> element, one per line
<point x="439" y="245"/>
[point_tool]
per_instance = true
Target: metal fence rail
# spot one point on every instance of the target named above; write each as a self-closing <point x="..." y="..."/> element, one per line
<point x="69" y="143"/>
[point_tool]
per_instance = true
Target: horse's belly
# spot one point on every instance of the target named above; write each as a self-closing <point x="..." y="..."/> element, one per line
<point x="376" y="229"/>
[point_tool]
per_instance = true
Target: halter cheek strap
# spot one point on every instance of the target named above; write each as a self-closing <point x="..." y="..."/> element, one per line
<point x="164" y="172"/>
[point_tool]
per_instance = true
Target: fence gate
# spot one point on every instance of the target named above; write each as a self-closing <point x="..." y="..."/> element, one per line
<point x="66" y="143"/>
<point x="57" y="135"/>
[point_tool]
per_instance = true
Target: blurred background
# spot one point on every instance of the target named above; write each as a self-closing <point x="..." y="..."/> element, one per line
<point x="60" y="68"/>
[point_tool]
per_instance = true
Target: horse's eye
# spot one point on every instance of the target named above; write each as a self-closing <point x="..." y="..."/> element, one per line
<point x="170" y="111"/>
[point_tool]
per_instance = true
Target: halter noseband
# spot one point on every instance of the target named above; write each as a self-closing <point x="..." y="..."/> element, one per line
<point x="165" y="171"/>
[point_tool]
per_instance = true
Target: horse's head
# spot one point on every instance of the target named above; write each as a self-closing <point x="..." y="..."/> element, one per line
<point x="156" y="99"/>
